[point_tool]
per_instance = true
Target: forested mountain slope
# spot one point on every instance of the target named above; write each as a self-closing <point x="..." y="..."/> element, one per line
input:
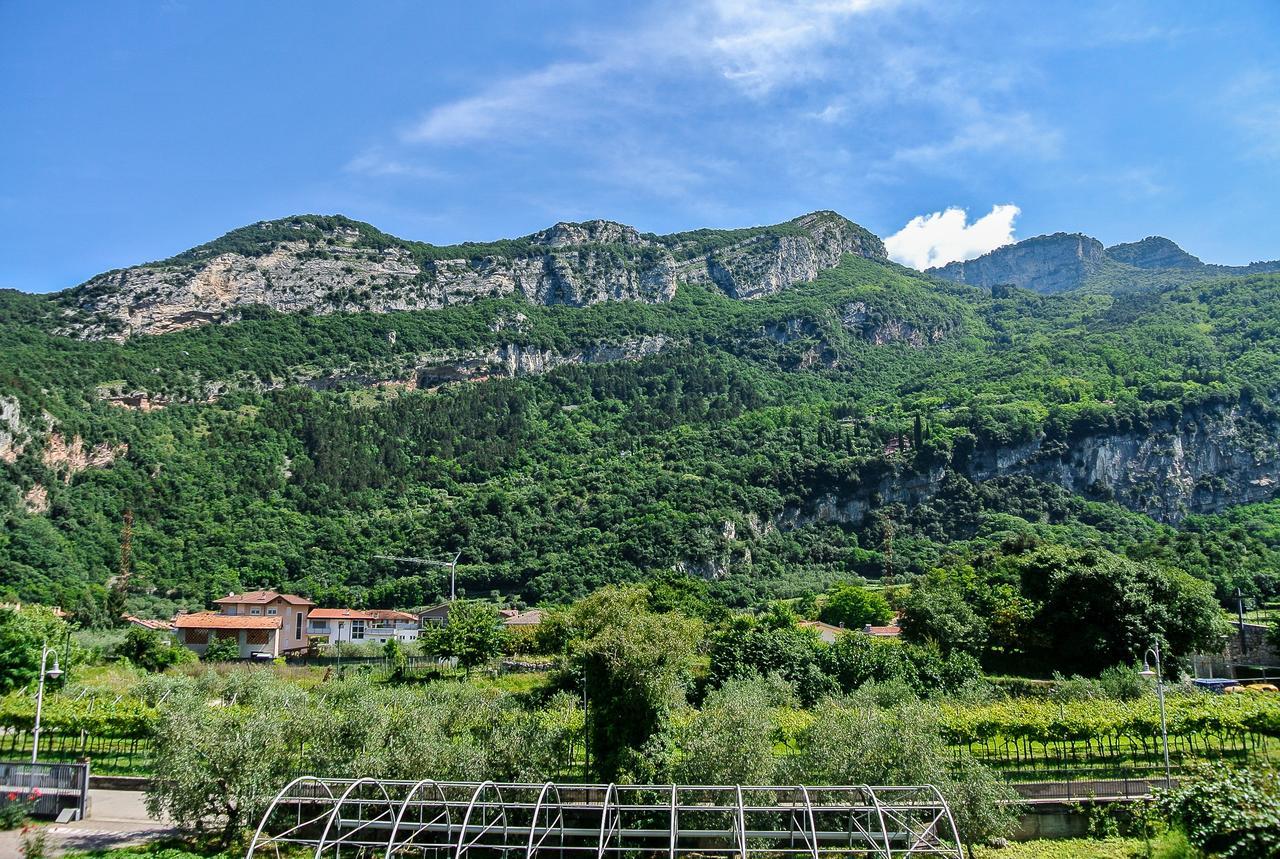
<point x="862" y="422"/>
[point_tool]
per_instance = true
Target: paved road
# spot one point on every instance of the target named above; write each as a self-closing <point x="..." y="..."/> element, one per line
<point x="116" y="818"/>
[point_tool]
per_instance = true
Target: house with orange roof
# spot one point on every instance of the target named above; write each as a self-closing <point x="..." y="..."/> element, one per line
<point x="290" y="609"/>
<point x="257" y="636"/>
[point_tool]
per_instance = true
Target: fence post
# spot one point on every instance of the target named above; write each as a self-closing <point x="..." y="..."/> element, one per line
<point x="84" y="790"/>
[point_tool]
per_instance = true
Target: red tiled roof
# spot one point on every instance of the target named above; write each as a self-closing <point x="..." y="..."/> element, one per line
<point x="147" y="623"/>
<point x="212" y="620"/>
<point x="883" y="630"/>
<point x="390" y="614"/>
<point x="341" y="614"/>
<point x="529" y="618"/>
<point x="263" y="597"/>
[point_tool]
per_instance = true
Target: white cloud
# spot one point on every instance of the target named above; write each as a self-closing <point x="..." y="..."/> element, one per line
<point x="986" y="132"/>
<point x="375" y="162"/>
<point x="523" y="102"/>
<point x="942" y="237"/>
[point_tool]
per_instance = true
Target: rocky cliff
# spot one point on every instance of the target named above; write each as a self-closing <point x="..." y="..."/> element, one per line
<point x="1153" y="252"/>
<point x="320" y="264"/>
<point x="1203" y="462"/>
<point x="1046" y="264"/>
<point x="1063" y="261"/>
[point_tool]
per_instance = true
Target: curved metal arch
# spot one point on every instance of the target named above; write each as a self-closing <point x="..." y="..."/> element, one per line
<point x="610" y="791"/>
<point x="530" y="848"/>
<point x="337" y="809"/>
<point x="884" y="830"/>
<point x="466" y="818"/>
<point x="675" y="816"/>
<point x="404" y="806"/>
<point x="944" y="811"/>
<point x="742" y="822"/>
<point x="813" y="825"/>
<point x="257" y="833"/>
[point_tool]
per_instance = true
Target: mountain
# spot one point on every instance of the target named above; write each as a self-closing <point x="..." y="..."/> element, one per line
<point x="1065" y="261"/>
<point x="769" y="409"/>
<point x="327" y="264"/>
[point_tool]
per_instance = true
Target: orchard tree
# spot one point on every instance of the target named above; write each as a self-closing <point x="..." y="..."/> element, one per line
<point x="217" y="768"/>
<point x="473" y="633"/>
<point x="853" y="606"/>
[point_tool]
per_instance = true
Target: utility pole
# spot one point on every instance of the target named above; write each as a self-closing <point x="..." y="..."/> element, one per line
<point x="1244" y="645"/>
<point x="452" y="565"/>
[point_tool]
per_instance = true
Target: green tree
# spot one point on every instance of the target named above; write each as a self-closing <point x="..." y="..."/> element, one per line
<point x="152" y="650"/>
<point x="984" y="807"/>
<point x="23" y="632"/>
<point x="853" y="607"/>
<point x="635" y="665"/>
<point x="222" y="650"/>
<point x="730" y="740"/>
<point x="473" y="633"/>
<point x="218" y="767"/>
<point x="1228" y="812"/>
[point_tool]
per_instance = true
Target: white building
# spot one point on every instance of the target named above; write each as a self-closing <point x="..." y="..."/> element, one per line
<point x="348" y="625"/>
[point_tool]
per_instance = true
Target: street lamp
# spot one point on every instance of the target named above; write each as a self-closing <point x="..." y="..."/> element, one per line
<point x="1154" y="651"/>
<point x="54" y="673"/>
<point x="338" y="643"/>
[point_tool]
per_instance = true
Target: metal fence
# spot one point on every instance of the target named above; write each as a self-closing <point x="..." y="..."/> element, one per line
<point x="403" y="818"/>
<point x="46" y="788"/>
<point x="116" y="755"/>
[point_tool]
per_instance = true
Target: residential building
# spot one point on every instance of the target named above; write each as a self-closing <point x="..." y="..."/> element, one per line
<point x="827" y="632"/>
<point x="436" y="615"/>
<point x="291" y="610"/>
<point x="257" y="635"/>
<point x="332" y="625"/>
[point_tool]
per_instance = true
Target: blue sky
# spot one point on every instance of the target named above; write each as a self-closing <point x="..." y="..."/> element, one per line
<point x="134" y="130"/>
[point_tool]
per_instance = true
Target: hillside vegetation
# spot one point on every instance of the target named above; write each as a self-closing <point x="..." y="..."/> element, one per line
<point x="872" y="422"/>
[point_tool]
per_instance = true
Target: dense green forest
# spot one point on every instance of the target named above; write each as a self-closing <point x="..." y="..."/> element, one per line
<point x="836" y="430"/>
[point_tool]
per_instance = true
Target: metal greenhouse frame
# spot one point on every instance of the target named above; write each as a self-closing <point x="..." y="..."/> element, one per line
<point x="449" y="820"/>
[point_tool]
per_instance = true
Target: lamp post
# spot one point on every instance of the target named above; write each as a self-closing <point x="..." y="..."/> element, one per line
<point x="1154" y="651"/>
<point x="55" y="672"/>
<point x="338" y="644"/>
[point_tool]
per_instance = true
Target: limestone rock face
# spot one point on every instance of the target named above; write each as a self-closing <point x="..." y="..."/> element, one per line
<point x="1045" y="264"/>
<point x="1153" y="252"/>
<point x="765" y="264"/>
<point x="1205" y="461"/>
<point x="10" y="429"/>
<point x="320" y="264"/>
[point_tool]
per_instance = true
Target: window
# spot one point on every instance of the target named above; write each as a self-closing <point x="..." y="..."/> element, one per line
<point x="255" y="611"/>
<point x="256" y="636"/>
<point x="357" y="630"/>
<point x="271" y="611"/>
<point x="320" y="624"/>
<point x="196" y="636"/>
<point x="297" y="633"/>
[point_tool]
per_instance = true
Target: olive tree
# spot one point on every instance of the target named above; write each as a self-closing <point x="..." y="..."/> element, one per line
<point x="219" y="761"/>
<point x="730" y="740"/>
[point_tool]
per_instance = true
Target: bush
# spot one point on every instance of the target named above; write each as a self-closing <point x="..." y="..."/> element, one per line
<point x="1232" y="813"/>
<point x="152" y="650"/>
<point x="222" y="650"/>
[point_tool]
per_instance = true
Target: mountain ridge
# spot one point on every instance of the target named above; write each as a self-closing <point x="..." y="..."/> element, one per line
<point x="1059" y="262"/>
<point x="327" y="263"/>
